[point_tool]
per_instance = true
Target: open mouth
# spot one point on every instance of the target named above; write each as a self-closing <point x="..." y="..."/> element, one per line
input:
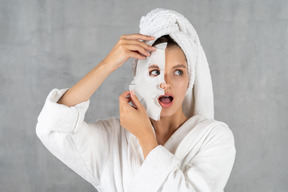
<point x="166" y="100"/>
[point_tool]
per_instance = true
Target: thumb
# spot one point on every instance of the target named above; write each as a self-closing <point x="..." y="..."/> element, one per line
<point x="136" y="100"/>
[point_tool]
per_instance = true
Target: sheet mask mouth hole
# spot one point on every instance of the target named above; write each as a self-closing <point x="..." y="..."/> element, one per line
<point x="166" y="99"/>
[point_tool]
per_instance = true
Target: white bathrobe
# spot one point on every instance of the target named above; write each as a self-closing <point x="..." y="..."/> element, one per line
<point x="199" y="156"/>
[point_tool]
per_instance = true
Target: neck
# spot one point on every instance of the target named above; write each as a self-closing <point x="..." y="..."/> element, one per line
<point x="166" y="126"/>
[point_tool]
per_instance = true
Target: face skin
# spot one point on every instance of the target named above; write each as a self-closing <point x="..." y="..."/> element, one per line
<point x="177" y="80"/>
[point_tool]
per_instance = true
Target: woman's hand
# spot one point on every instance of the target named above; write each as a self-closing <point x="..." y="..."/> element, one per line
<point x="137" y="122"/>
<point x="134" y="119"/>
<point x="129" y="46"/>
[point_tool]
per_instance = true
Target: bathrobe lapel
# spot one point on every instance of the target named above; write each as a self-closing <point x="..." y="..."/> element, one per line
<point x="185" y="151"/>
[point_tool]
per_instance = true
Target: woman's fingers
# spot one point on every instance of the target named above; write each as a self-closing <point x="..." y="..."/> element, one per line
<point x="124" y="100"/>
<point x="135" y="48"/>
<point x="120" y="53"/>
<point x="142" y="44"/>
<point x="136" y="101"/>
<point x="135" y="45"/>
<point x="133" y="40"/>
<point x="139" y="49"/>
<point x="129" y="99"/>
<point x="136" y="55"/>
<point x="124" y="97"/>
<point x="137" y="36"/>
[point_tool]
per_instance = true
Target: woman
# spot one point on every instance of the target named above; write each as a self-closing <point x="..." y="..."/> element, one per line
<point x="183" y="151"/>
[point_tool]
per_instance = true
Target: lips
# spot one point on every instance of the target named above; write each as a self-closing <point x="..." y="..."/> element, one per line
<point x="166" y="100"/>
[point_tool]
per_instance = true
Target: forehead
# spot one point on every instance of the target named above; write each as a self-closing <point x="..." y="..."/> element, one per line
<point x="173" y="57"/>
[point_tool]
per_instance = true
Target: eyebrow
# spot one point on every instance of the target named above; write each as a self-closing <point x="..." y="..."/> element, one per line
<point x="176" y="66"/>
<point x="153" y="66"/>
<point x="179" y="66"/>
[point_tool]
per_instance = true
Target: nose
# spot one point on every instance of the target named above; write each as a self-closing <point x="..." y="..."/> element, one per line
<point x="164" y="86"/>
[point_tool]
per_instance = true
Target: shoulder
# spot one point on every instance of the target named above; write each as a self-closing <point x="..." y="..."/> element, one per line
<point x="222" y="130"/>
<point x="213" y="132"/>
<point x="220" y="135"/>
<point x="217" y="128"/>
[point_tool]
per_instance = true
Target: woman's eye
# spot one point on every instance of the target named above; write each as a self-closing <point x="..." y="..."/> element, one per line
<point x="154" y="72"/>
<point x="178" y="72"/>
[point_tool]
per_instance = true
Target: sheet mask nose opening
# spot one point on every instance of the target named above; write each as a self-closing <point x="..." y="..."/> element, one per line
<point x="159" y="86"/>
<point x="162" y="85"/>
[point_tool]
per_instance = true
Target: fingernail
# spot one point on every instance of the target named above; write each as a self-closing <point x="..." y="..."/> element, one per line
<point x="132" y="92"/>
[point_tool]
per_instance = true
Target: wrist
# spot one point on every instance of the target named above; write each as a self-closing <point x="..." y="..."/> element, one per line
<point x="107" y="65"/>
<point x="146" y="138"/>
<point x="147" y="144"/>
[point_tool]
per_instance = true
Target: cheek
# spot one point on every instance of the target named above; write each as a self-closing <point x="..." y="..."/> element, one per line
<point x="180" y="85"/>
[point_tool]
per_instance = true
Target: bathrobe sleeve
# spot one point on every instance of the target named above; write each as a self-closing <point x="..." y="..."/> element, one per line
<point x="79" y="145"/>
<point x="208" y="171"/>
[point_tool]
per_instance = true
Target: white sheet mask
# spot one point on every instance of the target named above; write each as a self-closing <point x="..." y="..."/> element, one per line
<point x="147" y="88"/>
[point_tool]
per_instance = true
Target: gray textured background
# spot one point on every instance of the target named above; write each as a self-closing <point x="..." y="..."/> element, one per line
<point x="53" y="44"/>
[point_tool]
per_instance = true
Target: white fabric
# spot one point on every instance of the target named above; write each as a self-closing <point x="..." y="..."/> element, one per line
<point x="147" y="88"/>
<point x="199" y="98"/>
<point x="198" y="157"/>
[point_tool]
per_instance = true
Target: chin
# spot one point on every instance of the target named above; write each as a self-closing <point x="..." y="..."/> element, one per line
<point x="167" y="112"/>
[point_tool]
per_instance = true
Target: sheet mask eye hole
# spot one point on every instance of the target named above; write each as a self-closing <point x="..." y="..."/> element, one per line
<point x="154" y="73"/>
